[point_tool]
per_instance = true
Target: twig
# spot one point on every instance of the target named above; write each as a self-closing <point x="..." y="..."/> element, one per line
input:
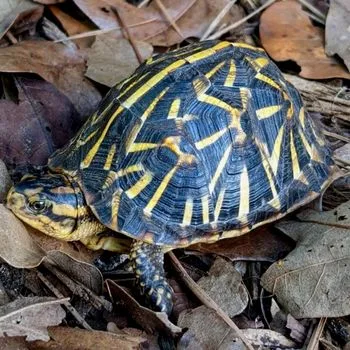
<point x="316" y="335"/>
<point x="168" y="17"/>
<point x="313" y="9"/>
<point x="336" y="136"/>
<point x="127" y="34"/>
<point x="241" y="21"/>
<point x="143" y="3"/>
<point x="315" y="18"/>
<point x="67" y="304"/>
<point x="101" y="31"/>
<point x="11" y="37"/>
<point x="206" y="299"/>
<point x="218" y="19"/>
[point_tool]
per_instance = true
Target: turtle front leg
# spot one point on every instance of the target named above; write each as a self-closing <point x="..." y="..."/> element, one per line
<point x="147" y="261"/>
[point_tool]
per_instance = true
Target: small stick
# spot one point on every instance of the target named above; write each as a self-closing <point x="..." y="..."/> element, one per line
<point x="67" y="304"/>
<point x="127" y="34"/>
<point x="241" y="21"/>
<point x="169" y="19"/>
<point x="218" y="19"/>
<point x="313" y="9"/>
<point x="316" y="335"/>
<point x="11" y="37"/>
<point x="206" y="299"/>
<point x="143" y="3"/>
<point x="336" y="136"/>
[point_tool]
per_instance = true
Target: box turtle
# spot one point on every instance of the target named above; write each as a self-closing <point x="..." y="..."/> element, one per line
<point x="199" y="144"/>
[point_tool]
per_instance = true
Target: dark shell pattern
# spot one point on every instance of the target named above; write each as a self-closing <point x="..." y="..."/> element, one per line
<point x="201" y="143"/>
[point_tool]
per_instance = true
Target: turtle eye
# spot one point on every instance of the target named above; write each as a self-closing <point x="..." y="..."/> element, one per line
<point x="37" y="206"/>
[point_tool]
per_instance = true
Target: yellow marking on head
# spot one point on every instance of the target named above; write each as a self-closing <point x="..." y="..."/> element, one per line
<point x="141" y="146"/>
<point x="110" y="157"/>
<point x="215" y="70"/>
<point x="267" y="112"/>
<point x="64" y="210"/>
<point x="160" y="190"/>
<point x="32" y="191"/>
<point x="244" y="193"/>
<point x="187" y="218"/>
<point x="220" y="168"/>
<point x="302" y="117"/>
<point x="174" y="109"/>
<point x="138" y="187"/>
<point x="267" y="80"/>
<point x="94" y="149"/>
<point x="247" y="46"/>
<point x="210" y="139"/>
<point x="205" y="209"/>
<point x="294" y="156"/>
<point x="218" y="204"/>
<point x="231" y="76"/>
<point x="208" y="52"/>
<point x="115" y="209"/>
<point x="276" y="152"/>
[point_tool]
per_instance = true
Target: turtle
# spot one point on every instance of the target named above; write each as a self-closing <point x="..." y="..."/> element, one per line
<point x="202" y="143"/>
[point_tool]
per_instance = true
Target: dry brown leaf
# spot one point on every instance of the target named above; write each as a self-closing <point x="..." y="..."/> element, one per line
<point x="313" y="280"/>
<point x="113" y="59"/>
<point x="261" y="244"/>
<point x="143" y="23"/>
<point x="78" y="339"/>
<point x="13" y="343"/>
<point x="45" y="120"/>
<point x="149" y="320"/>
<point x="224" y="285"/>
<point x="5" y="181"/>
<point x="287" y="33"/>
<point x="337" y="30"/>
<point x="22" y="12"/>
<point x="30" y="317"/>
<point x="17" y="248"/>
<point x="73" y="26"/>
<point x="196" y="21"/>
<point x="60" y="65"/>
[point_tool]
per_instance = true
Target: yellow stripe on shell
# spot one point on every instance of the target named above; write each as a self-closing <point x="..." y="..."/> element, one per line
<point x="257" y="63"/>
<point x="187" y="218"/>
<point x="215" y="70"/>
<point x="247" y="46"/>
<point x="141" y="91"/>
<point x="174" y="109"/>
<point x="131" y="169"/>
<point x="210" y="139"/>
<point x="267" y="80"/>
<point x="231" y="76"/>
<point x="141" y="146"/>
<point x="138" y="187"/>
<point x="267" y="112"/>
<point x="276" y="152"/>
<point x="305" y="143"/>
<point x="244" y="193"/>
<point x="205" y="209"/>
<point x="218" y="204"/>
<point x="302" y="117"/>
<point x="294" y="156"/>
<point x="222" y="163"/>
<point x="160" y="190"/>
<point x="110" y="157"/>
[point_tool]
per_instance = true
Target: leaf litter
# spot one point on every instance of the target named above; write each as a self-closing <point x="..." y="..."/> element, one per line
<point x="57" y="85"/>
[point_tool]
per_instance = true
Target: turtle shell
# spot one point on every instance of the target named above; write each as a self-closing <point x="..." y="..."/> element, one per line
<point x="201" y="143"/>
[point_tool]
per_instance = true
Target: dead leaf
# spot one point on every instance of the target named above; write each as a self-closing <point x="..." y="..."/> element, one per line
<point x="12" y="11"/>
<point x="337" y="30"/>
<point x="266" y="338"/>
<point x="196" y="21"/>
<point x="313" y="280"/>
<point x="73" y="26"/>
<point x="43" y="120"/>
<point x="13" y="343"/>
<point x="77" y="339"/>
<point x="261" y="244"/>
<point x="149" y="320"/>
<point x="297" y="331"/>
<point x="343" y="153"/>
<point x="224" y="285"/>
<point x="30" y="317"/>
<point x="143" y="23"/>
<point x="60" y="65"/>
<point x="113" y="59"/>
<point x="5" y="181"/>
<point x="287" y="33"/>
<point x="17" y="248"/>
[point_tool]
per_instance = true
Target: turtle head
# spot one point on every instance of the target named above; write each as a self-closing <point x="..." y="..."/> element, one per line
<point x="49" y="203"/>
